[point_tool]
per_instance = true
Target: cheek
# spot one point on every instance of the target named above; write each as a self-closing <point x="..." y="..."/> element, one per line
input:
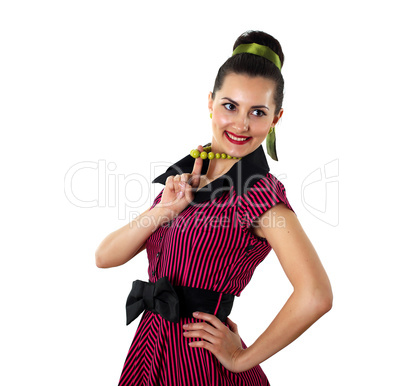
<point x="221" y="119"/>
<point x="261" y="126"/>
<point x="260" y="134"/>
<point x="263" y="133"/>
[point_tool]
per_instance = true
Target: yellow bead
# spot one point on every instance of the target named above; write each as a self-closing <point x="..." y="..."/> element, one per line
<point x="229" y="157"/>
<point x="223" y="155"/>
<point x="203" y="155"/>
<point x="211" y="155"/>
<point x="195" y="153"/>
<point x="217" y="155"/>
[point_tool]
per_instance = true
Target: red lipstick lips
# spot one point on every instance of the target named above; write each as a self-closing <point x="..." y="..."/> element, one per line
<point x="237" y="142"/>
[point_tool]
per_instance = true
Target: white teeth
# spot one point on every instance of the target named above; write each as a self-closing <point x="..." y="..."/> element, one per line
<point x="235" y="138"/>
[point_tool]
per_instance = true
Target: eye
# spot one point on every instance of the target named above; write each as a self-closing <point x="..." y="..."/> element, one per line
<point x="229" y="106"/>
<point x="260" y="113"/>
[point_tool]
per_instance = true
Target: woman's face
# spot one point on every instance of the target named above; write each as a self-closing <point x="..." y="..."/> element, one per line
<point x="244" y="109"/>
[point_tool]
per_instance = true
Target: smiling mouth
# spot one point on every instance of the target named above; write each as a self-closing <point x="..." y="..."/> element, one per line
<point x="234" y="138"/>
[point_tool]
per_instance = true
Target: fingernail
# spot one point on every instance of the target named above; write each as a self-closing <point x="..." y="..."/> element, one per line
<point x="185" y="325"/>
<point x="182" y="184"/>
<point x="196" y="313"/>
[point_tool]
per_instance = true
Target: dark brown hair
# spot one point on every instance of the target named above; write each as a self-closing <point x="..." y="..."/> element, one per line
<point x="253" y="65"/>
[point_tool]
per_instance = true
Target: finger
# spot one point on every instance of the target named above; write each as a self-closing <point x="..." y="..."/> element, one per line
<point x="183" y="180"/>
<point x="186" y="187"/>
<point x="185" y="177"/>
<point x="209" y="318"/>
<point x="176" y="180"/>
<point x="175" y="187"/>
<point x="202" y="334"/>
<point x="169" y="187"/>
<point x="200" y="328"/>
<point x="182" y="185"/>
<point x="232" y="325"/>
<point x="196" y="173"/>
<point x="169" y="183"/>
<point x="188" y="193"/>
<point x="183" y="188"/>
<point x="203" y="344"/>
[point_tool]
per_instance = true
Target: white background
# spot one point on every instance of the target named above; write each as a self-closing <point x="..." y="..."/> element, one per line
<point x="125" y="84"/>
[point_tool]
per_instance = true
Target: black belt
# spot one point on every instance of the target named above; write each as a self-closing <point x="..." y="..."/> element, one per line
<point x="175" y="302"/>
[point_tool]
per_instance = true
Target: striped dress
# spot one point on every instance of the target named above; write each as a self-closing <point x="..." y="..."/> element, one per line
<point x="209" y="245"/>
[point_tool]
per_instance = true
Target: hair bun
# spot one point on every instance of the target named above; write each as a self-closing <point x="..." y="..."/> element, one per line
<point x="263" y="39"/>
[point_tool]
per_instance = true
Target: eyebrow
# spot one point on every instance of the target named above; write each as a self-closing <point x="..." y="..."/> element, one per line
<point x="253" y="107"/>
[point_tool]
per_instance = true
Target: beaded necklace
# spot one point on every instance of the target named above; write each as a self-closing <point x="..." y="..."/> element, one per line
<point x="207" y="153"/>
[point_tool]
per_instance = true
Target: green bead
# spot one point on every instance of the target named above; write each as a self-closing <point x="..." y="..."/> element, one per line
<point x="195" y="153"/>
<point x="207" y="153"/>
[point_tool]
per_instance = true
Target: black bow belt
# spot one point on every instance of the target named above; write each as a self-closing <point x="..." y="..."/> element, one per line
<point x="175" y="302"/>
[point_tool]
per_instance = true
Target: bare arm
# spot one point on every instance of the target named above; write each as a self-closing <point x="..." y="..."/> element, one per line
<point x="312" y="295"/>
<point x="123" y="244"/>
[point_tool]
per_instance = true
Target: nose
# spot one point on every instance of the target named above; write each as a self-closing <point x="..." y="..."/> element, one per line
<point x="241" y="123"/>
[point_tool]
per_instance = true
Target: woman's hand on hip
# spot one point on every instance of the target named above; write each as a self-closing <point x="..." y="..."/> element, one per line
<point x="222" y="341"/>
<point x="178" y="192"/>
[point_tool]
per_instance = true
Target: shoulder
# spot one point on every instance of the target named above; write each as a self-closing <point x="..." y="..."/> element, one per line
<point x="266" y="191"/>
<point x="259" y="197"/>
<point x="276" y="216"/>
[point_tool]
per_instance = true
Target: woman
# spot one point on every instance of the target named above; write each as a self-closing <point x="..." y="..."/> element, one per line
<point x="206" y="232"/>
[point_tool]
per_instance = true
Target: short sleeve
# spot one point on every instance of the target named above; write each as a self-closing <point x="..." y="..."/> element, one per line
<point x="257" y="199"/>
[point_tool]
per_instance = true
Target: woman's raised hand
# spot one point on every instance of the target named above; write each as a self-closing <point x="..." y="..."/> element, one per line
<point x="179" y="189"/>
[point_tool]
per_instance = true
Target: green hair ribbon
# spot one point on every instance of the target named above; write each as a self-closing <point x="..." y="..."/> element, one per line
<point x="260" y="50"/>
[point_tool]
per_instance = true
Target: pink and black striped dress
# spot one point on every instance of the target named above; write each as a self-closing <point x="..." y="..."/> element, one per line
<point x="209" y="245"/>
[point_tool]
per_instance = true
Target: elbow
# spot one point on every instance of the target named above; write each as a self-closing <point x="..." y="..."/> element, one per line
<point x="325" y="304"/>
<point x="323" y="301"/>
<point x="100" y="261"/>
<point x="317" y="300"/>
